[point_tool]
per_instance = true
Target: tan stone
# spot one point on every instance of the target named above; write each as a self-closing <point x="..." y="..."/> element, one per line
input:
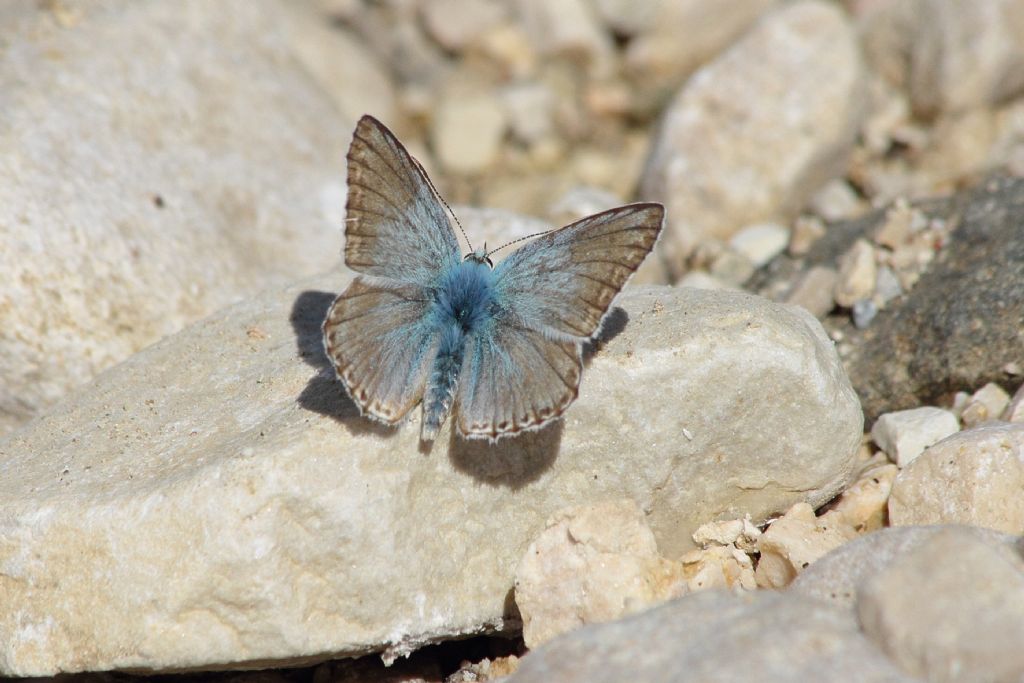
<point x="973" y="477"/>
<point x="795" y="540"/>
<point x="591" y="564"/>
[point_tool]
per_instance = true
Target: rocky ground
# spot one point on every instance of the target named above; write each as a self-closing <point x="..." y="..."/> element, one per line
<point x="798" y="450"/>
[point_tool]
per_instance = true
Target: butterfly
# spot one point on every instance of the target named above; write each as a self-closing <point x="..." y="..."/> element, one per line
<point x="499" y="347"/>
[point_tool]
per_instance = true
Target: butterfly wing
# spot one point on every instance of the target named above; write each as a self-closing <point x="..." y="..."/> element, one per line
<point x="381" y="345"/>
<point x="395" y="226"/>
<point x="523" y="369"/>
<point x="564" y="281"/>
<point x="514" y="378"/>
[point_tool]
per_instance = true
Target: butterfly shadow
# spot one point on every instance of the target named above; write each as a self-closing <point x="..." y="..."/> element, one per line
<point x="325" y="394"/>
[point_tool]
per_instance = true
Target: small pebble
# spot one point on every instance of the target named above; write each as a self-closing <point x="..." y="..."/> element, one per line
<point x="760" y="243"/>
<point x="987" y="403"/>
<point x="864" y="311"/>
<point x="904" y="434"/>
<point x="857" y="274"/>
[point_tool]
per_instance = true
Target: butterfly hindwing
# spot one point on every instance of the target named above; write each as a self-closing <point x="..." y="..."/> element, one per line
<point x="395" y="227"/>
<point x="564" y="281"/>
<point x="381" y="345"/>
<point x="514" y="378"/>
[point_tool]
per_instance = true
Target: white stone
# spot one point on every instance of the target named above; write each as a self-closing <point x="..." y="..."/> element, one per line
<point x="904" y="434"/>
<point x="795" y="540"/>
<point x="226" y="486"/>
<point x="467" y="131"/>
<point x="950" y="610"/>
<point x="160" y="161"/>
<point x="761" y="242"/>
<point x="591" y="564"/>
<point x="987" y="403"/>
<point x="756" y="132"/>
<point x="857" y="274"/>
<point x="973" y="477"/>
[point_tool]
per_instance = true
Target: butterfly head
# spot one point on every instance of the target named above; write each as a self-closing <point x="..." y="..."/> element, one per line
<point x="479" y="256"/>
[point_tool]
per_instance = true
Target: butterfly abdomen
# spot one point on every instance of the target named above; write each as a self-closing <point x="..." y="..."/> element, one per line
<point x="463" y="304"/>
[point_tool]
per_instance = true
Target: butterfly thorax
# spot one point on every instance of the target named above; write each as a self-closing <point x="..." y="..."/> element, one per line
<point x="465" y="296"/>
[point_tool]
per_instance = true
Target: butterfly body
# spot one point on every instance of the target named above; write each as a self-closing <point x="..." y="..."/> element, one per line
<point x="498" y="348"/>
<point x="464" y="304"/>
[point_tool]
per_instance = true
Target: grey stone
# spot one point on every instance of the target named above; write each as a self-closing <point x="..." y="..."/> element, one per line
<point x="837" y="577"/>
<point x="950" y="610"/>
<point x="716" y="636"/>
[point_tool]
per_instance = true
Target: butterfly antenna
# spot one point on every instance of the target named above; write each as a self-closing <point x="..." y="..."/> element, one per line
<point x="437" y="194"/>
<point x="521" y="239"/>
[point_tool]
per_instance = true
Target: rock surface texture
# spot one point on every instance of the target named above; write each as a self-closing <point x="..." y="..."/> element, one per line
<point x="140" y="194"/>
<point x="217" y="500"/>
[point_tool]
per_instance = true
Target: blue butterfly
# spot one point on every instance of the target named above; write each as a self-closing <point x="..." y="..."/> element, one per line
<point x="499" y="347"/>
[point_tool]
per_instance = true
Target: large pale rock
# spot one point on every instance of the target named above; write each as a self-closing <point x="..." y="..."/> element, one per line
<point x="951" y="610"/>
<point x="753" y="135"/>
<point x="973" y="477"/>
<point x="215" y="499"/>
<point x="716" y="636"/>
<point x="159" y="161"/>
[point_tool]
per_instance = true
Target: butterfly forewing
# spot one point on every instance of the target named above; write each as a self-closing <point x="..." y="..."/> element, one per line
<point x="395" y="226"/>
<point x="381" y="347"/>
<point x="566" y="280"/>
<point x="514" y="378"/>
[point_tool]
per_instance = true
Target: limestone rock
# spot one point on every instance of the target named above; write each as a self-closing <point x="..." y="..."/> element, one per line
<point x="160" y="161"/>
<point x="753" y="134"/>
<point x="716" y="636"/>
<point x="951" y="610"/>
<point x="228" y="488"/>
<point x="791" y="543"/>
<point x="904" y="434"/>
<point x="973" y="477"/>
<point x="591" y="564"/>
